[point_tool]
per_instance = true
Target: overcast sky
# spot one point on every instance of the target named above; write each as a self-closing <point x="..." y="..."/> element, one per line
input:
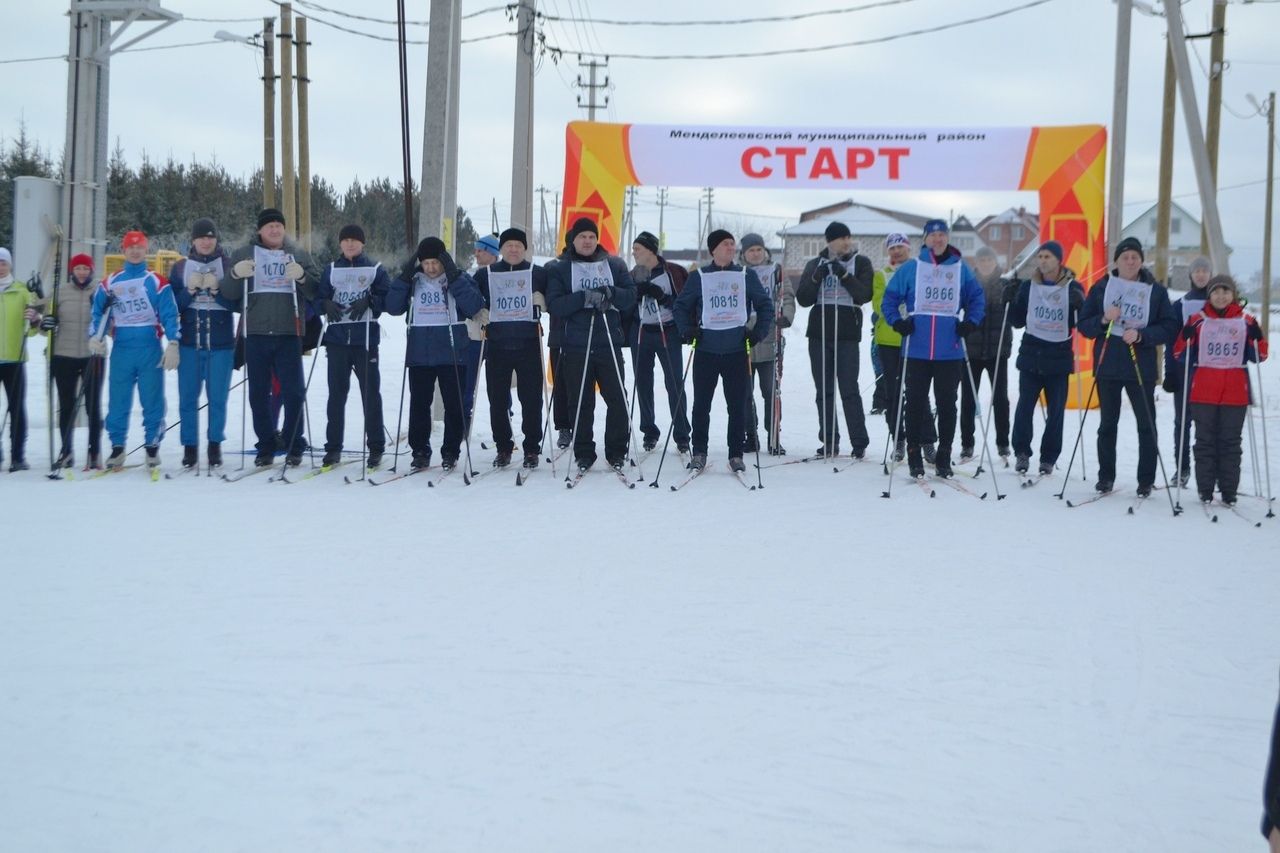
<point x="1051" y="64"/>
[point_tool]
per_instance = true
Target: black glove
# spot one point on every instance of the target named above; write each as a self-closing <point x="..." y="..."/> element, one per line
<point x="1252" y="331"/>
<point x="48" y="323"/>
<point x="837" y="269"/>
<point x="333" y="311"/>
<point x="692" y="336"/>
<point x="905" y="326"/>
<point x="606" y="291"/>
<point x="410" y="268"/>
<point x="110" y="300"/>
<point x="1010" y="292"/>
<point x="1075" y="297"/>
<point x="964" y="328"/>
<point x="1188" y="332"/>
<point x="593" y="299"/>
<point x="650" y="290"/>
<point x="451" y="271"/>
<point x="754" y="338"/>
<point x="1169" y="384"/>
<point x="357" y="309"/>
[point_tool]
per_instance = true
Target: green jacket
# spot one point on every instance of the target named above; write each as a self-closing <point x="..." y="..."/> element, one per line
<point x="885" y="336"/>
<point x="14" y="301"/>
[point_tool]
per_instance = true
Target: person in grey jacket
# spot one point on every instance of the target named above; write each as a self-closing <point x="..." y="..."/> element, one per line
<point x="273" y="279"/>
<point x="76" y="372"/>
<point x="766" y="356"/>
<point x="989" y="346"/>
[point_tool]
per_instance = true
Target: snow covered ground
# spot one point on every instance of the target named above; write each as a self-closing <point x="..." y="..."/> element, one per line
<point x="191" y="665"/>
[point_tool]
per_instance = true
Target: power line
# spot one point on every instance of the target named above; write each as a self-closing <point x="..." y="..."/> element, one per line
<point x="310" y="4"/>
<point x="772" y="19"/>
<point x="377" y="37"/>
<point x="811" y="49"/>
<point x="128" y="50"/>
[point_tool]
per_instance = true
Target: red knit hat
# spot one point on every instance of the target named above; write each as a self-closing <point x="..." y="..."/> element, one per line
<point x="79" y="260"/>
<point x="133" y="238"/>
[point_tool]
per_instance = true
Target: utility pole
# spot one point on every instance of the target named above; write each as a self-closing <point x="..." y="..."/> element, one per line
<point x="591" y="106"/>
<point x="268" y="112"/>
<point x="1195" y="136"/>
<point x="522" y="127"/>
<point x="541" y="240"/>
<point x="1266" y="238"/>
<point x="449" y="228"/>
<point x="435" y="138"/>
<point x="1214" y="121"/>
<point x="287" y="176"/>
<point x="304" y="141"/>
<point x="1164" y="206"/>
<point x="662" y="208"/>
<point x="1119" y="123"/>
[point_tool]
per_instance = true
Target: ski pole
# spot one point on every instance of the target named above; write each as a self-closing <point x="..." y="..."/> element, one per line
<point x="169" y="427"/>
<point x="546" y="396"/>
<point x="1093" y="388"/>
<point x="297" y="423"/>
<point x="775" y="403"/>
<point x="824" y="433"/>
<point x="750" y="385"/>
<point x="582" y="390"/>
<point x="364" y="406"/>
<point x="635" y="373"/>
<point x="404" y="376"/>
<point x="897" y="429"/>
<point x="1178" y="446"/>
<point x="693" y="349"/>
<point x="1146" y="407"/>
<point x="1266" y="453"/>
<point x="631" y="433"/>
<point x="668" y="376"/>
<point x="986" y="444"/>
<point x="995" y="383"/>
<point x="457" y="375"/>
<point x="48" y="390"/>
<point x="244" y="392"/>
<point x="475" y="392"/>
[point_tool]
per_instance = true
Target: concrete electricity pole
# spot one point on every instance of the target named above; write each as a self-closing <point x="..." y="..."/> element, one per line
<point x="433" y="213"/>
<point x="1164" y="205"/>
<point x="288" y="178"/>
<point x="1270" y="112"/>
<point x="522" y="128"/>
<point x="592" y="105"/>
<point x="304" y="141"/>
<point x="268" y="112"/>
<point x="1119" y="123"/>
<point x="1213" y="122"/>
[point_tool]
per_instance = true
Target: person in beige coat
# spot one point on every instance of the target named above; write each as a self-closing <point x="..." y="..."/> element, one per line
<point x="77" y="373"/>
<point x="766" y="356"/>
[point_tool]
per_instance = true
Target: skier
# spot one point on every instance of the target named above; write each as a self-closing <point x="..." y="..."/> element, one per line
<point x="1222" y="339"/>
<point x="586" y="286"/>
<point x="658" y="283"/>
<point x="1046" y="305"/>
<point x="19" y="320"/>
<point x="766" y="357"/>
<point x="989" y="347"/>
<point x="351" y="295"/>
<point x="438" y="297"/>
<point x="208" y="341"/>
<point x="889" y="345"/>
<point x="1129" y="311"/>
<point x="515" y="295"/>
<point x="838" y="281"/>
<point x="711" y="313"/>
<point x="142" y="309"/>
<point x="76" y="372"/>
<point x="934" y="289"/>
<point x="1185" y="308"/>
<point x="272" y="280"/>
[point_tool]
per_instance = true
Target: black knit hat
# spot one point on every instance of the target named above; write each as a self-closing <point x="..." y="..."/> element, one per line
<point x="1128" y="244"/>
<point x="648" y="241"/>
<point x="351" y="232"/>
<point x="716" y="237"/>
<point x="582" y="225"/>
<point x="836" y="230"/>
<point x="513" y="234"/>
<point x="269" y="215"/>
<point x="203" y="228"/>
<point x="430" y="249"/>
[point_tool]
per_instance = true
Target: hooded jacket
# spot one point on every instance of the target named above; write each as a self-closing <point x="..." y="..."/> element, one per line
<point x="1161" y="329"/>
<point x="1048" y="358"/>
<point x="207" y="320"/>
<point x="857" y="282"/>
<point x="353" y="334"/>
<point x="934" y="338"/>
<point x="567" y="306"/>
<point x="272" y="313"/>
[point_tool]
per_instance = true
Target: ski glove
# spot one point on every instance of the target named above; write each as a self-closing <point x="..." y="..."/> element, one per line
<point x="409" y="269"/>
<point x="169" y="361"/>
<point x="333" y="311"/>
<point x="49" y="323"/>
<point x="692" y="336"/>
<point x="1253" y="331"/>
<point x="451" y="271"/>
<point x="837" y="269"/>
<point x="97" y="346"/>
<point x="243" y="269"/>
<point x="1169" y="384"/>
<point x="964" y="328"/>
<point x="1010" y="292"/>
<point x="905" y="326"/>
<point x="357" y="309"/>
<point x="294" y="271"/>
<point x="539" y="301"/>
<point x="593" y="299"/>
<point x="1075" y="297"/>
<point x="1189" y="331"/>
<point x="650" y="290"/>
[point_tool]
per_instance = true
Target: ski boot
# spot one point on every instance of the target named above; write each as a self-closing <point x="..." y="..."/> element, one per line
<point x="915" y="462"/>
<point x="153" y="455"/>
<point x="736" y="466"/>
<point x="697" y="462"/>
<point x="930" y="453"/>
<point x="116" y="459"/>
<point x="214" y="454"/>
<point x="331" y="458"/>
<point x="374" y="458"/>
<point x="564" y="438"/>
<point x="502" y="459"/>
<point x="1022" y="463"/>
<point x="190" y="458"/>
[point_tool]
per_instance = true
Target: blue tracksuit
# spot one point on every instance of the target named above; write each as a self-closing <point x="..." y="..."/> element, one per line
<point x="935" y="336"/>
<point x="208" y="348"/>
<point x="142" y="311"/>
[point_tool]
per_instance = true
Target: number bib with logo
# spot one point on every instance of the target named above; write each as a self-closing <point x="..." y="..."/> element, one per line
<point x="588" y="275"/>
<point x="1190" y="307"/>
<point x="1047" y="307"/>
<point x="651" y="313"/>
<point x="349" y="284"/>
<point x="724" y="300"/>
<point x="937" y="289"/>
<point x="511" y="296"/>
<point x="1133" y="299"/>
<point x="133" y="307"/>
<point x="204" y="300"/>
<point x="1222" y="342"/>
<point x="268" y="271"/>
<point x="832" y="292"/>
<point x="431" y="303"/>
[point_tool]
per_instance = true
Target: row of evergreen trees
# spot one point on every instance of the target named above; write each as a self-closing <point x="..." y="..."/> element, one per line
<point x="163" y="199"/>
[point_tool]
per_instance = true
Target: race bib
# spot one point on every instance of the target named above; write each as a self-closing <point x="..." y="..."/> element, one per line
<point x="268" y="271"/>
<point x="1222" y="342"/>
<point x="937" y="289"/>
<point x="651" y="313"/>
<point x="431" y="303"/>
<point x="349" y="284"/>
<point x="724" y="300"/>
<point x="511" y="296"/>
<point x="1047" y="308"/>
<point x="832" y="292"/>
<point x="1190" y="307"/>
<point x="204" y="300"/>
<point x="133" y="307"/>
<point x="588" y="275"/>
<point x="1134" y="300"/>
